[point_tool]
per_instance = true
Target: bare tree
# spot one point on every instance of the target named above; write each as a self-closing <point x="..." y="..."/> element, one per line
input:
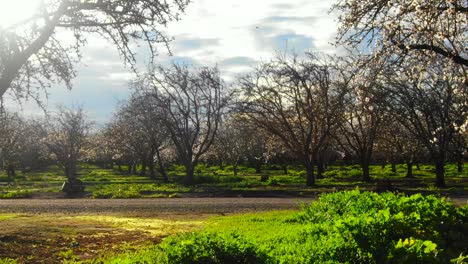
<point x="117" y="136"/>
<point x="459" y="148"/>
<point x="66" y="138"/>
<point x="32" y="55"/>
<point x="296" y="101"/>
<point x="146" y="116"/>
<point x="278" y="154"/>
<point x="421" y="36"/>
<point x="99" y="150"/>
<point x="231" y="143"/>
<point x="396" y="142"/>
<point x="433" y="107"/>
<point x="362" y="116"/>
<point x="129" y="140"/>
<point x="257" y="150"/>
<point x="12" y="133"/>
<point x="191" y="104"/>
<point x="238" y="140"/>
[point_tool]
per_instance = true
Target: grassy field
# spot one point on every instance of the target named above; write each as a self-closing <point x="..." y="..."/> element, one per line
<point x="213" y="181"/>
<point x="275" y="237"/>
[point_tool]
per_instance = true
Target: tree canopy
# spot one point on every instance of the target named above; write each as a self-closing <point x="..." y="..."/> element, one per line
<point x="425" y="29"/>
<point x="33" y="53"/>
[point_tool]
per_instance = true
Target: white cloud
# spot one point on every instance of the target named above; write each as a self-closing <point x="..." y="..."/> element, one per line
<point x="240" y="25"/>
<point x="235" y="35"/>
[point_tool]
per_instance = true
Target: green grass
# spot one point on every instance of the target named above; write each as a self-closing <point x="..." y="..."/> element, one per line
<point x="15" y="194"/>
<point x="4" y="217"/>
<point x="8" y="261"/>
<point x="136" y="190"/>
<point x="109" y="183"/>
<point x="343" y="227"/>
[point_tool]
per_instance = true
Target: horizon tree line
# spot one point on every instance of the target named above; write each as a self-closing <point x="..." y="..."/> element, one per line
<point x="409" y="85"/>
<point x="300" y="109"/>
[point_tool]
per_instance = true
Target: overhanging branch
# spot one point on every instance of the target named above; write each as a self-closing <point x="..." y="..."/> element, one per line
<point x="456" y="58"/>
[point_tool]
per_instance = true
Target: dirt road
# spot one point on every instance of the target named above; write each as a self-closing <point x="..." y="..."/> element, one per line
<point x="150" y="207"/>
<point x="157" y="207"/>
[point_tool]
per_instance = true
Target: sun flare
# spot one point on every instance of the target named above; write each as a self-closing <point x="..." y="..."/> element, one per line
<point x="14" y="11"/>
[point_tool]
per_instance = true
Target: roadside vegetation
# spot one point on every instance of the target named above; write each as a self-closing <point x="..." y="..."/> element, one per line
<point x="342" y="227"/>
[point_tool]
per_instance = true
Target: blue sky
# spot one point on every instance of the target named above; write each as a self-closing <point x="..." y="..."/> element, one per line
<point x="235" y="35"/>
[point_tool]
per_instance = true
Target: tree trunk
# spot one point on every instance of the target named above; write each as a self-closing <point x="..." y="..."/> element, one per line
<point x="70" y="171"/>
<point x="144" y="164"/>
<point x="129" y="168"/>
<point x="67" y="173"/>
<point x="163" y="173"/>
<point x="460" y="164"/>
<point x="134" y="168"/>
<point x="72" y="175"/>
<point x="73" y="185"/>
<point x="310" y="174"/>
<point x="234" y="168"/>
<point x="409" y="172"/>
<point x="440" y="172"/>
<point x="11" y="172"/>
<point x="393" y="166"/>
<point x="119" y="167"/>
<point x="8" y="175"/>
<point x="150" y="163"/>
<point x="152" y="170"/>
<point x="258" y="166"/>
<point x="320" y="169"/>
<point x="417" y="166"/>
<point x="190" y="169"/>
<point x="285" y="169"/>
<point x="221" y="164"/>
<point x="162" y="169"/>
<point x="365" y="171"/>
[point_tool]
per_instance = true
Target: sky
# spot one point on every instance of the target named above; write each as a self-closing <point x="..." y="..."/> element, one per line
<point x="234" y="35"/>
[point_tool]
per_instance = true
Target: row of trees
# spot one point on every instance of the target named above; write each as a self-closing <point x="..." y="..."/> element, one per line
<point x="307" y="110"/>
<point x="176" y="114"/>
<point x="408" y="96"/>
<point x="35" y="144"/>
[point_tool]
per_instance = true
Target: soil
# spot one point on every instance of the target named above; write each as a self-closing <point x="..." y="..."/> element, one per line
<point x="50" y="239"/>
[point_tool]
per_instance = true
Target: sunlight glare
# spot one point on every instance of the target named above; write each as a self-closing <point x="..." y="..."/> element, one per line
<point x="14" y="11"/>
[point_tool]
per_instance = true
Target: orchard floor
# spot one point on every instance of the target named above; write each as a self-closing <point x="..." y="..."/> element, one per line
<point x="61" y="230"/>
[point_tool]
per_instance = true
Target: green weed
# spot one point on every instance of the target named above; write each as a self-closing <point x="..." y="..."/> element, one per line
<point x="342" y="227"/>
<point x="8" y="261"/>
<point x="15" y="194"/>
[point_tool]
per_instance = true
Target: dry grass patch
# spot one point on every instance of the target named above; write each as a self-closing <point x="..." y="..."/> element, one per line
<point x="62" y="238"/>
<point x="158" y="227"/>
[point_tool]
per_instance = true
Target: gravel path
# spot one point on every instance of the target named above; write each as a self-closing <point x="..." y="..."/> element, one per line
<point x="149" y="207"/>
